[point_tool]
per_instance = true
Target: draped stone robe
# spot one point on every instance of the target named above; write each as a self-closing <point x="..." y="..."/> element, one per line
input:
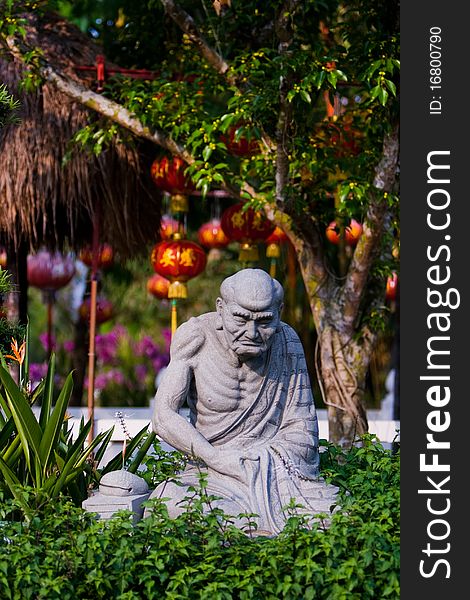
<point x="268" y="415"/>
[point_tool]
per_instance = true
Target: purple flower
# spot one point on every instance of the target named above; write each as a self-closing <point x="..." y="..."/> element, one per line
<point x="69" y="346"/>
<point x="37" y="371"/>
<point x="141" y="372"/>
<point x="116" y="376"/>
<point x="106" y="344"/>
<point x="44" y="341"/>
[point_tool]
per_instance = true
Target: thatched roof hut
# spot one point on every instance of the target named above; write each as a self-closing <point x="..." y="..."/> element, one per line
<point x="46" y="202"/>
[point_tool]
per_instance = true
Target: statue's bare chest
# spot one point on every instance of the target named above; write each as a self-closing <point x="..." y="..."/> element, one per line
<point x="221" y="386"/>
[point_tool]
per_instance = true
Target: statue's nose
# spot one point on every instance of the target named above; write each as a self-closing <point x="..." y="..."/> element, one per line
<point x="252" y="330"/>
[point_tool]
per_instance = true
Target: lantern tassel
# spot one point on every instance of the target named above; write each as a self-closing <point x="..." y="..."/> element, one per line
<point x="178" y="289"/>
<point x="248" y="253"/>
<point x="179" y="203"/>
<point x="272" y="268"/>
<point x="273" y="251"/>
<point x="174" y="317"/>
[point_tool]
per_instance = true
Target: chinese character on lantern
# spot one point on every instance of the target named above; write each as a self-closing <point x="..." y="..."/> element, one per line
<point x="248" y="227"/>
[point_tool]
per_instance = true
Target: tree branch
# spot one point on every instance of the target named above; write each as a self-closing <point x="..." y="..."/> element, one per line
<point x="187" y="24"/>
<point x="102" y="105"/>
<point x="359" y="268"/>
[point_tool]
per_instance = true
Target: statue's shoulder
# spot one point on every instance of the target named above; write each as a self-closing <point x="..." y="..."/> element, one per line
<point x="190" y="336"/>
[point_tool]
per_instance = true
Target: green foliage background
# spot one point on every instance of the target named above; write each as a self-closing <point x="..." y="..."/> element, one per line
<point x="66" y="553"/>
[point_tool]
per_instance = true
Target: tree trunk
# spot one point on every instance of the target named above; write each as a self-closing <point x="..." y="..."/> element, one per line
<point x="343" y="369"/>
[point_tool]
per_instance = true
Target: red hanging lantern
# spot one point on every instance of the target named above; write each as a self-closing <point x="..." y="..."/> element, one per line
<point x="104" y="310"/>
<point x="352" y="232"/>
<point x="332" y="233"/>
<point x="391" y="287"/>
<point x="104" y="259"/>
<point x="158" y="286"/>
<point x="168" y="227"/>
<point x="274" y="241"/>
<point x="211" y="235"/>
<point x="168" y="175"/>
<point x="344" y="139"/>
<point x="3" y="258"/>
<point x="49" y="271"/>
<point x="246" y="227"/>
<point x="238" y="143"/>
<point x="178" y="260"/>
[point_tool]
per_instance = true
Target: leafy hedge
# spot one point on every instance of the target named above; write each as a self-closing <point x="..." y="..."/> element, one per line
<point x="66" y="553"/>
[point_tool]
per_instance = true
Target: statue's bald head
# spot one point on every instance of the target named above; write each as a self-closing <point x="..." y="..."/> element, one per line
<point x="253" y="289"/>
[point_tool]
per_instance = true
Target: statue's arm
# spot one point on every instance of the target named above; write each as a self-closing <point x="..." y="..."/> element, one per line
<point x="172" y="391"/>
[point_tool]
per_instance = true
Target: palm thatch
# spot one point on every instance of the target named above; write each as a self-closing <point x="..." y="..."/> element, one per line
<point x="44" y="202"/>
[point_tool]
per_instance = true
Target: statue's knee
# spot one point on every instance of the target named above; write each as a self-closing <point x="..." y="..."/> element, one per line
<point x="172" y="495"/>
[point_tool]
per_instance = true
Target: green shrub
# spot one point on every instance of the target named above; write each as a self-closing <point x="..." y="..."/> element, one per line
<point x="66" y="553"/>
<point x="39" y="458"/>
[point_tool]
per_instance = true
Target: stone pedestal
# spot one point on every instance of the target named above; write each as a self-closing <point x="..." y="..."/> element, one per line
<point x="107" y="506"/>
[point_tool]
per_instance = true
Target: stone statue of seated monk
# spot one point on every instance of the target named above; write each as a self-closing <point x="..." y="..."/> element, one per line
<point x="253" y="422"/>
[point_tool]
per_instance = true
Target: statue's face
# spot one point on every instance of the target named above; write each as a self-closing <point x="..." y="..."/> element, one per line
<point x="249" y="333"/>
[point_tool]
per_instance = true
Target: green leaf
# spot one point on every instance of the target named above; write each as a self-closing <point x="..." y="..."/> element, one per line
<point x="48" y="394"/>
<point x="141" y="453"/>
<point x="75" y="459"/>
<point x="26" y="423"/>
<point x="391" y="86"/>
<point x="102" y="449"/>
<point x="26" y="356"/>
<point x="332" y="78"/>
<point x="54" y="424"/>
<point x="115" y="463"/>
<point x="375" y="91"/>
<point x="383" y="95"/>
<point x="14" y="443"/>
<point x="306" y="96"/>
<point x="12" y="481"/>
<point x="206" y="153"/>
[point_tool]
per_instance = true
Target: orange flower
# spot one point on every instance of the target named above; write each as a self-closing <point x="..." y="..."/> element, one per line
<point x="18" y="353"/>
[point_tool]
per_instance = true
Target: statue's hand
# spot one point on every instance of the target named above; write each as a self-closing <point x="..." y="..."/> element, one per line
<point x="229" y="461"/>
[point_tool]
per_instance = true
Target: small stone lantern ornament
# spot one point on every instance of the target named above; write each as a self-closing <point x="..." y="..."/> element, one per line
<point x="273" y="248"/>
<point x="168" y="175"/>
<point x="178" y="260"/>
<point x="247" y="227"/>
<point x="158" y="286"/>
<point x="49" y="271"/>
